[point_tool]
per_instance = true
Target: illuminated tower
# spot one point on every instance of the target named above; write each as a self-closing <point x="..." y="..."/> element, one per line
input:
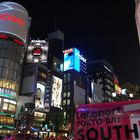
<point x="74" y="85"/>
<point x="14" y="25"/>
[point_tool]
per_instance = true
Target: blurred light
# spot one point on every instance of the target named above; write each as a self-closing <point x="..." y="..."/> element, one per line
<point x="114" y="94"/>
<point x="124" y="91"/>
<point x="131" y="95"/>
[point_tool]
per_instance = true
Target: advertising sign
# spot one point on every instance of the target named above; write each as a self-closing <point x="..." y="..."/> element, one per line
<point x="56" y="92"/>
<point x="108" y="121"/>
<point x="14" y="20"/>
<point x="39" y="96"/>
<point x="8" y="89"/>
<point x="72" y="59"/>
<point x="37" y="51"/>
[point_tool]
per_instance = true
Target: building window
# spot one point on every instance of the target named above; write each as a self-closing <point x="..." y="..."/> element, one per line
<point x="65" y="95"/>
<point x="68" y="94"/>
<point x="68" y="102"/>
<point x="65" y="78"/>
<point x="69" y="75"/>
<point x="1" y="62"/>
<point x="64" y="102"/>
<point x="68" y="86"/>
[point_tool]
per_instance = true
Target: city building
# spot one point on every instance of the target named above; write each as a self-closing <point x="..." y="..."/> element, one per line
<point x="35" y="84"/>
<point x="42" y="78"/>
<point x="14" y="26"/>
<point x="74" y="85"/>
<point x="56" y="46"/>
<point x="101" y="72"/>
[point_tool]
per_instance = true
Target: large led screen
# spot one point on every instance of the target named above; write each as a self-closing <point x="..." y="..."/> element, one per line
<point x="72" y="60"/>
<point x="56" y="92"/>
<point x="37" y="51"/>
<point x="39" y="96"/>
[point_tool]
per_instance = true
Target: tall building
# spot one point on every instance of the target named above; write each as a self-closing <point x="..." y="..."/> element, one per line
<point x="101" y="72"/>
<point x="42" y="77"/>
<point x="74" y="89"/>
<point x="56" y="45"/>
<point x="35" y="81"/>
<point x="14" y="26"/>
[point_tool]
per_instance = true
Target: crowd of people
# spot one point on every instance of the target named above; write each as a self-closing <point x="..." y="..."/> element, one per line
<point x="14" y="137"/>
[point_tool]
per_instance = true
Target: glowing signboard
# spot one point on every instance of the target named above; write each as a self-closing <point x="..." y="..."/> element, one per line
<point x="39" y="96"/>
<point x="37" y="51"/>
<point x="56" y="92"/>
<point x="14" y="20"/>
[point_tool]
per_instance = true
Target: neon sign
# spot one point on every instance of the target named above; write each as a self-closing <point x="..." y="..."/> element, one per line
<point x="77" y="54"/>
<point x="13" y="19"/>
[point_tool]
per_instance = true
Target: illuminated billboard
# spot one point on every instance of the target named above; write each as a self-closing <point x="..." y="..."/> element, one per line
<point x="137" y="17"/>
<point x="14" y="20"/>
<point x="8" y="89"/>
<point x="56" y="92"/>
<point x="73" y="59"/>
<point x="39" y="96"/>
<point x="37" y="51"/>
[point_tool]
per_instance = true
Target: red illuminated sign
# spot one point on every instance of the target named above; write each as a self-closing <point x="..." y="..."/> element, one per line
<point x="12" y="19"/>
<point x="68" y="51"/>
<point x="37" y="52"/>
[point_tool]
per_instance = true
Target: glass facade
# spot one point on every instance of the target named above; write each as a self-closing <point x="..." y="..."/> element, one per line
<point x="11" y="62"/>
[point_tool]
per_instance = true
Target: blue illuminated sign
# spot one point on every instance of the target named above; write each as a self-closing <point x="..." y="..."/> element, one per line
<point x="72" y="60"/>
<point x="76" y="60"/>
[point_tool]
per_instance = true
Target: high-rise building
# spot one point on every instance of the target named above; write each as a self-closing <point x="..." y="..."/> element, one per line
<point x="74" y="88"/>
<point x="14" y="26"/>
<point x="35" y="83"/>
<point x="56" y="45"/>
<point x="101" y="72"/>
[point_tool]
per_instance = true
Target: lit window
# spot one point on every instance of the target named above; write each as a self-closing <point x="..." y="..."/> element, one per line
<point x="64" y="102"/>
<point x="68" y="102"/>
<point x="68" y="94"/>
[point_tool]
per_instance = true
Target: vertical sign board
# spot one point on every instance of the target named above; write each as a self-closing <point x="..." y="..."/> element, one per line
<point x="108" y="121"/>
<point x="39" y="96"/>
<point x="76" y="60"/>
<point x="56" y="92"/>
<point x="137" y="17"/>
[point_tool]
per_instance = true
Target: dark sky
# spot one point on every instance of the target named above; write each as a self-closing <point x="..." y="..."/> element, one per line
<point x="101" y="29"/>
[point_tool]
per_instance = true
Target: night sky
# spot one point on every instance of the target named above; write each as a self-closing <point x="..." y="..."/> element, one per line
<point x="101" y="29"/>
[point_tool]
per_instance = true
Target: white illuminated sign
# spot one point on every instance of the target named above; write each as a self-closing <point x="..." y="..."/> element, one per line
<point x="56" y="92"/>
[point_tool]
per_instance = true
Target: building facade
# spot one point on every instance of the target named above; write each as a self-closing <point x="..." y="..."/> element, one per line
<point x="14" y="26"/>
<point x="74" y="85"/>
<point x="101" y="72"/>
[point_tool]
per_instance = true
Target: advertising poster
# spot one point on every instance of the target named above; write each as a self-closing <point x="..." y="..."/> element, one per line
<point x="108" y="121"/>
<point x="37" y="51"/>
<point x="39" y="96"/>
<point x="56" y="92"/>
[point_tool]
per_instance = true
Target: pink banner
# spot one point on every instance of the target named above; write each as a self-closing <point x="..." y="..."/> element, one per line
<point x="108" y="121"/>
